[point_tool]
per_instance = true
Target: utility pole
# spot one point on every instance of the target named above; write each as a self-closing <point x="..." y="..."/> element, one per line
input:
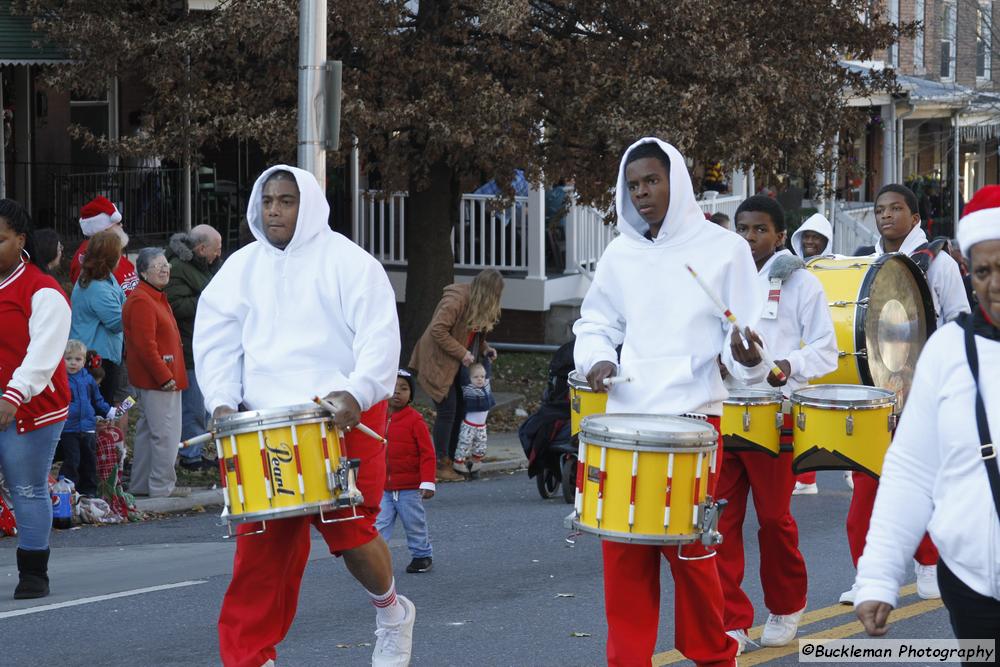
<point x="312" y="55"/>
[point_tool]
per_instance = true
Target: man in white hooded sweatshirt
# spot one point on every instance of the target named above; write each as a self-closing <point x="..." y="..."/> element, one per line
<point x="814" y="237"/>
<point x="671" y="334"/>
<point x="303" y="311"/>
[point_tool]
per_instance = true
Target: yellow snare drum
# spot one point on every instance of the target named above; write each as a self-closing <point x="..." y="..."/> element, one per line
<point x="282" y="462"/>
<point x="882" y="313"/>
<point x="644" y="479"/>
<point x="842" y="427"/>
<point x="752" y="420"/>
<point x="583" y="400"/>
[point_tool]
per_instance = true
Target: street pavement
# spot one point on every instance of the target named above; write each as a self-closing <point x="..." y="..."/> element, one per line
<point x="506" y="589"/>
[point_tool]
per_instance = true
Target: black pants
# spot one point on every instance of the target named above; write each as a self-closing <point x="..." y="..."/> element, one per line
<point x="113" y="382"/>
<point x="973" y="616"/>
<point x="79" y="451"/>
<point x="447" y="424"/>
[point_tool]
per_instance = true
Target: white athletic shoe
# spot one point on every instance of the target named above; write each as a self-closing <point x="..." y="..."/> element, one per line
<point x="393" y="643"/>
<point x="780" y="629"/>
<point x="847" y="597"/>
<point x="742" y="639"/>
<point x="849" y="479"/>
<point x="927" y="584"/>
<point x="805" y="489"/>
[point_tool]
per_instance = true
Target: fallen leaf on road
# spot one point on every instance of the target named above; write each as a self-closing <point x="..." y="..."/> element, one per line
<point x="364" y="644"/>
<point x="565" y="595"/>
<point x="579" y="634"/>
<point x="343" y="646"/>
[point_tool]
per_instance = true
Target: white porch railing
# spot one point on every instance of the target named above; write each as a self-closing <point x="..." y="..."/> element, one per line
<point x="727" y="205"/>
<point x="853" y="226"/>
<point x="586" y="238"/>
<point x="491" y="237"/>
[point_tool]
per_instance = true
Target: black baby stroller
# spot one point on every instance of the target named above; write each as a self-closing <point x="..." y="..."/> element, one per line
<point x="545" y="435"/>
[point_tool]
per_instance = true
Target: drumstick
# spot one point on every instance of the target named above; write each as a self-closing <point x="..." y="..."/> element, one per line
<point x="617" y="379"/>
<point x="778" y="373"/>
<point x="196" y="440"/>
<point x="361" y="427"/>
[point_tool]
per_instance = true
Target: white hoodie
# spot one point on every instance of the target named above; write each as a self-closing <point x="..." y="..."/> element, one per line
<point x="277" y="327"/>
<point x="943" y="276"/>
<point x="933" y="477"/>
<point x="644" y="299"/>
<point x="802" y="333"/>
<point x="818" y="223"/>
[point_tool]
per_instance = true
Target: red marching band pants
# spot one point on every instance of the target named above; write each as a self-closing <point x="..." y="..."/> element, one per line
<point x="859" y="514"/>
<point x="782" y="567"/>
<point x="632" y="601"/>
<point x="260" y="604"/>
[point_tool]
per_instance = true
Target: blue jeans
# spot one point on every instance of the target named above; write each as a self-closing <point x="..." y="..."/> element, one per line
<point x="25" y="459"/>
<point x="409" y="507"/>
<point x="194" y="418"/>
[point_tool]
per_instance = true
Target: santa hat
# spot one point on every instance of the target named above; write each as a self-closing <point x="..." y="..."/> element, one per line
<point x="97" y="215"/>
<point x="981" y="218"/>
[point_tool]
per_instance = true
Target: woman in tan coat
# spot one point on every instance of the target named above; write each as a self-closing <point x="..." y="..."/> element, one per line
<point x="455" y="337"/>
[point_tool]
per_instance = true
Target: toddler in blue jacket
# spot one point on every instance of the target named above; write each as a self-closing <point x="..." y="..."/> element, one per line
<point x="78" y="441"/>
<point x="478" y="397"/>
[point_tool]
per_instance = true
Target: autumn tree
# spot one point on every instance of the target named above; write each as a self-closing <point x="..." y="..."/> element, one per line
<point x="438" y="90"/>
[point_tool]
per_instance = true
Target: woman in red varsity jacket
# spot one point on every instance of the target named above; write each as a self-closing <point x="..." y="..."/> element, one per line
<point x="35" y="394"/>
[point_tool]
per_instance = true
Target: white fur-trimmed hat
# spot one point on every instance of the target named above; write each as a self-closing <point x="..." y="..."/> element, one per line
<point x="981" y="218"/>
<point x="97" y="215"/>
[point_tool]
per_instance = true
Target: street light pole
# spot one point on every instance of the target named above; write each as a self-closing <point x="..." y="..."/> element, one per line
<point x="312" y="55"/>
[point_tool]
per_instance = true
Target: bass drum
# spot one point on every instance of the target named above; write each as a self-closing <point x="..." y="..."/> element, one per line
<point x="882" y="313"/>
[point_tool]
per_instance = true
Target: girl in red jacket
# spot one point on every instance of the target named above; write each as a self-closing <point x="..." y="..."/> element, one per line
<point x="410" y="467"/>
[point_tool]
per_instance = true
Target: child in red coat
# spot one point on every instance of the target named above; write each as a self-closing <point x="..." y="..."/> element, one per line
<point x="410" y="469"/>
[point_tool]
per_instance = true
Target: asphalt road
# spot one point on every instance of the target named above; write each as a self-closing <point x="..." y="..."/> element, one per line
<point x="506" y="589"/>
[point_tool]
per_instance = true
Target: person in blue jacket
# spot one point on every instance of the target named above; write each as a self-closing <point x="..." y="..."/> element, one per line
<point x="78" y="441"/>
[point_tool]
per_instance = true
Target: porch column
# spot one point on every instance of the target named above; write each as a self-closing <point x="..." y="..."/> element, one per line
<point x="981" y="167"/>
<point x="738" y="184"/>
<point x="572" y="222"/>
<point x="888" y="113"/>
<point x="355" y="186"/>
<point x="955" y="171"/>
<point x="536" y="232"/>
<point x="751" y="183"/>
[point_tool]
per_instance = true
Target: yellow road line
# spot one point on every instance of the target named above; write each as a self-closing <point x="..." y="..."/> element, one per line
<point x="810" y="617"/>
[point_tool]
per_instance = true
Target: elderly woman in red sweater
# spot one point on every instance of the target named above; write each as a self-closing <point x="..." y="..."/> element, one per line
<point x="155" y="363"/>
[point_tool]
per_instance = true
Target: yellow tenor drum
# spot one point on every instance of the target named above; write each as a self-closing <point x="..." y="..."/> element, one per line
<point x="644" y="479"/>
<point x="842" y="427"/>
<point x="752" y="420"/>
<point x="583" y="400"/>
<point x="282" y="462"/>
<point x="882" y="313"/>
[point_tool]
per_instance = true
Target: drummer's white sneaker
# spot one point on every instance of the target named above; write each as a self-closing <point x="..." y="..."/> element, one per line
<point x="927" y="584"/>
<point x="394" y="641"/>
<point x="849" y="479"/>
<point x="780" y="629"/>
<point x="805" y="489"/>
<point x="847" y="597"/>
<point x="742" y="639"/>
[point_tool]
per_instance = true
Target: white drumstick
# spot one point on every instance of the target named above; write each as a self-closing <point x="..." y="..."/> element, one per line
<point x="617" y="379"/>
<point x="196" y="440"/>
<point x="361" y="427"/>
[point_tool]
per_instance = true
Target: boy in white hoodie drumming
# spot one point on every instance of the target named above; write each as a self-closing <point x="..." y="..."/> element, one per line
<point x="671" y="334"/>
<point x="797" y="329"/>
<point x="303" y="311"/>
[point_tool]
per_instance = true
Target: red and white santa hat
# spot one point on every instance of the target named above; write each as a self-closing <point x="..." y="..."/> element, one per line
<point x="981" y="218"/>
<point x="97" y="215"/>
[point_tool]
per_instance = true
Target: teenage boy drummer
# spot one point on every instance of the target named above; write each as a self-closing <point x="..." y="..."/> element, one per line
<point x="671" y="334"/>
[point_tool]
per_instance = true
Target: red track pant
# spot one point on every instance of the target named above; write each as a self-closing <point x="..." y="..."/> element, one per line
<point x="860" y="513"/>
<point x="782" y="568"/>
<point x="806" y="477"/>
<point x="260" y="603"/>
<point x="632" y="602"/>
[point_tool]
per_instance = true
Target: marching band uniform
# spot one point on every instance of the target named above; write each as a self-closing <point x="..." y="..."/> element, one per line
<point x="275" y="328"/>
<point x="671" y="334"/>
<point x="796" y="326"/>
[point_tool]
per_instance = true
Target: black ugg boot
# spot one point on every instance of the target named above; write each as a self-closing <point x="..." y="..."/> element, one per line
<point x="33" y="569"/>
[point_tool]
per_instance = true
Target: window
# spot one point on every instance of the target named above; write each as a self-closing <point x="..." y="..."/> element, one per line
<point x="918" y="39"/>
<point x="893" y="7"/>
<point x="984" y="39"/>
<point x="92" y="112"/>
<point x="948" y="16"/>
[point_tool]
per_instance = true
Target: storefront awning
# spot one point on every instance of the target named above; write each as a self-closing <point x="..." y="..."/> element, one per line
<point x="20" y="45"/>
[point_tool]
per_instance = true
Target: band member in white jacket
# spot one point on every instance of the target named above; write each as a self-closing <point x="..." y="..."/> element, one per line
<point x="814" y="237"/>
<point x="303" y="311"/>
<point x="936" y="473"/>
<point x="671" y="334"/>
<point x="796" y="327"/>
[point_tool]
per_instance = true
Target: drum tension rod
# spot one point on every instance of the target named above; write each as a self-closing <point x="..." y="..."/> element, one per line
<point x="841" y="304"/>
<point x="863" y="354"/>
<point x="850" y="424"/>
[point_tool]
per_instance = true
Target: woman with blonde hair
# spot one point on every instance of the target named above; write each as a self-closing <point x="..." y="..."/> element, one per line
<point x="455" y="337"/>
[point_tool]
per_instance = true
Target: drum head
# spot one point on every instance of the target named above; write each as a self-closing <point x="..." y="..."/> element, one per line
<point x="843" y="396"/>
<point x="754" y="396"/>
<point x="647" y="430"/>
<point x="898" y="320"/>
<point x="241" y="422"/>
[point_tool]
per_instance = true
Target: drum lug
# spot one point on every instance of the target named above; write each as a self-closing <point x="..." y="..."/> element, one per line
<point x="850" y="424"/>
<point x="779" y="420"/>
<point x="710" y="512"/>
<point x="893" y="421"/>
<point x="576" y="404"/>
<point x="863" y="354"/>
<point x="746" y="420"/>
<point x="800" y="420"/>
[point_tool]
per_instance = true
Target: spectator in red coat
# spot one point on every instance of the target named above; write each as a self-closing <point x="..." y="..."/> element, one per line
<point x="410" y="468"/>
<point x="155" y="363"/>
<point x="96" y="216"/>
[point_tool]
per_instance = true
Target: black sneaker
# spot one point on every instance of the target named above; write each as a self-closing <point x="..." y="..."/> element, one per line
<point x="419" y="565"/>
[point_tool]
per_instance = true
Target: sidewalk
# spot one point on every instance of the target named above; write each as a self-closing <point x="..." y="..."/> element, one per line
<point x="504" y="455"/>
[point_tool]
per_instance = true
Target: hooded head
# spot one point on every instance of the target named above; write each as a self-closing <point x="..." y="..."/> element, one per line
<point x="287" y="208"/>
<point x="671" y="204"/>
<point x="817" y="224"/>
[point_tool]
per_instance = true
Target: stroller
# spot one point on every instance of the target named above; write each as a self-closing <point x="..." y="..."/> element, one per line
<point x="545" y="435"/>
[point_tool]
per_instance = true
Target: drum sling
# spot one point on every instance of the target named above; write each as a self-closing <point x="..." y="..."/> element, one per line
<point x="987" y="449"/>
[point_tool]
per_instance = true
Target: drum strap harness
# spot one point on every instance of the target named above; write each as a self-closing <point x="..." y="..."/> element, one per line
<point x="987" y="448"/>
